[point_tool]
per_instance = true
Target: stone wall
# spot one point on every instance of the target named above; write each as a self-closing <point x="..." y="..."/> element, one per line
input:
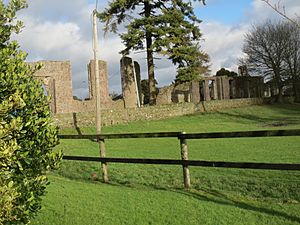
<point x="60" y="74"/>
<point x="56" y="77"/>
<point x="165" y="95"/>
<point x="216" y="105"/>
<point x="212" y="88"/>
<point x="123" y="116"/>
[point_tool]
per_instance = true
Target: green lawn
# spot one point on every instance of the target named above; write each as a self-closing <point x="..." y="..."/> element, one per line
<point x="153" y="194"/>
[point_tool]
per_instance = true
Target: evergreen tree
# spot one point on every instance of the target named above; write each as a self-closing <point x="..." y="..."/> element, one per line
<point x="166" y="27"/>
<point x="224" y="72"/>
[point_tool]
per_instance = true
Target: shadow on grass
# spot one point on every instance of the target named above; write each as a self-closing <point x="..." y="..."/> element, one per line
<point x="272" y="121"/>
<point x="216" y="197"/>
<point x="76" y="124"/>
<point x="201" y="195"/>
<point x="219" y="198"/>
<point x="77" y="128"/>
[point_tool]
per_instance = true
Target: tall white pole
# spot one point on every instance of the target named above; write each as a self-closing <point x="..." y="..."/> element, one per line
<point x="136" y="86"/>
<point x="98" y="102"/>
<point x="97" y="75"/>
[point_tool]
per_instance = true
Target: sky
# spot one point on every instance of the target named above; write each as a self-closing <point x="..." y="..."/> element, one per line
<point x="61" y="30"/>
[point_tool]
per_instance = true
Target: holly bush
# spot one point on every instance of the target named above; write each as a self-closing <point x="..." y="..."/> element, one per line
<point x="27" y="133"/>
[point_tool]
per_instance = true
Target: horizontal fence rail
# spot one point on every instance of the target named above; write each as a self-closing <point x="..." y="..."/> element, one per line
<point x="180" y="135"/>
<point x="244" y="165"/>
<point x="120" y="136"/>
<point x="242" y="134"/>
<point x="185" y="162"/>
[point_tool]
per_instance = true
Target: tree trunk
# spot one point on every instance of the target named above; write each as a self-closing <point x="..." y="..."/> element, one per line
<point x="150" y="60"/>
<point x="152" y="88"/>
<point x="279" y="97"/>
<point x="296" y="87"/>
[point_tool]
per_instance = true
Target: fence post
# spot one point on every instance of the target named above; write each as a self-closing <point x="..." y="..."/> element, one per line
<point x="184" y="156"/>
<point x="103" y="164"/>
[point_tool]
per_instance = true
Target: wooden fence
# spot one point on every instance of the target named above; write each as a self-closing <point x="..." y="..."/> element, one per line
<point x="184" y="161"/>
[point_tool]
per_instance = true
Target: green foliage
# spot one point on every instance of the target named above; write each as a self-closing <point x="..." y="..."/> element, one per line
<point x="7" y="16"/>
<point x="194" y="68"/>
<point x="224" y="72"/>
<point x="27" y="135"/>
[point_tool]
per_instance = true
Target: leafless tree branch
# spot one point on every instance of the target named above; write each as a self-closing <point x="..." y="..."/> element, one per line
<point x="280" y="9"/>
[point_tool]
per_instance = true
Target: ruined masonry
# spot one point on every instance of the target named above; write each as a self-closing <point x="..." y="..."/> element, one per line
<point x="131" y="82"/>
<point x="213" y="88"/>
<point x="56" y="77"/>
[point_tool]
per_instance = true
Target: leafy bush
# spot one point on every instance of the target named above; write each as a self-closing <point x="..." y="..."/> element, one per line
<point x="27" y="135"/>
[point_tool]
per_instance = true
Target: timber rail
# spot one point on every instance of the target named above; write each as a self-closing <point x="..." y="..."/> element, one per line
<point x="185" y="162"/>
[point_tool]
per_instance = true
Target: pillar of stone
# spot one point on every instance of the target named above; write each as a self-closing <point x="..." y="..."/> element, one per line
<point x="195" y="92"/>
<point x="206" y="90"/>
<point x="128" y="83"/>
<point x="225" y="85"/>
<point x="104" y="96"/>
<point x="232" y="87"/>
<point x="219" y="88"/>
<point x="215" y="90"/>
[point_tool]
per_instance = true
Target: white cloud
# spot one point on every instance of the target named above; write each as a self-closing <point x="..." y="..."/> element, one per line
<point x="261" y="11"/>
<point x="61" y="30"/>
<point x="52" y="37"/>
<point x="57" y="41"/>
<point x="223" y="43"/>
<point x="56" y="30"/>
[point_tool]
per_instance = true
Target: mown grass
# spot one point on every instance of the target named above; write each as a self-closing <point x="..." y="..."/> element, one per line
<point x="153" y="194"/>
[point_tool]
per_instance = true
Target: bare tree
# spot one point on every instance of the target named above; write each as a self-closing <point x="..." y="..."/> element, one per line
<point x="265" y="51"/>
<point x="292" y="59"/>
<point x="280" y="9"/>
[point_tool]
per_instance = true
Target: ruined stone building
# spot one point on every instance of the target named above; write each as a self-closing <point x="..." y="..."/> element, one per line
<point x="56" y="77"/>
<point x="213" y="88"/>
<point x="57" y="80"/>
<point x="209" y="88"/>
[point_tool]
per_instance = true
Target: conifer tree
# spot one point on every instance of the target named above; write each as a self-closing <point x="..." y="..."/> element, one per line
<point x="166" y="27"/>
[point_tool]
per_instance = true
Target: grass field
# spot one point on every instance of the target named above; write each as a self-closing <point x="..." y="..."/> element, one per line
<point x="154" y="194"/>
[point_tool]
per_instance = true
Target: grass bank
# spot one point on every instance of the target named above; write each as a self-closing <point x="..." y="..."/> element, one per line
<point x="153" y="194"/>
